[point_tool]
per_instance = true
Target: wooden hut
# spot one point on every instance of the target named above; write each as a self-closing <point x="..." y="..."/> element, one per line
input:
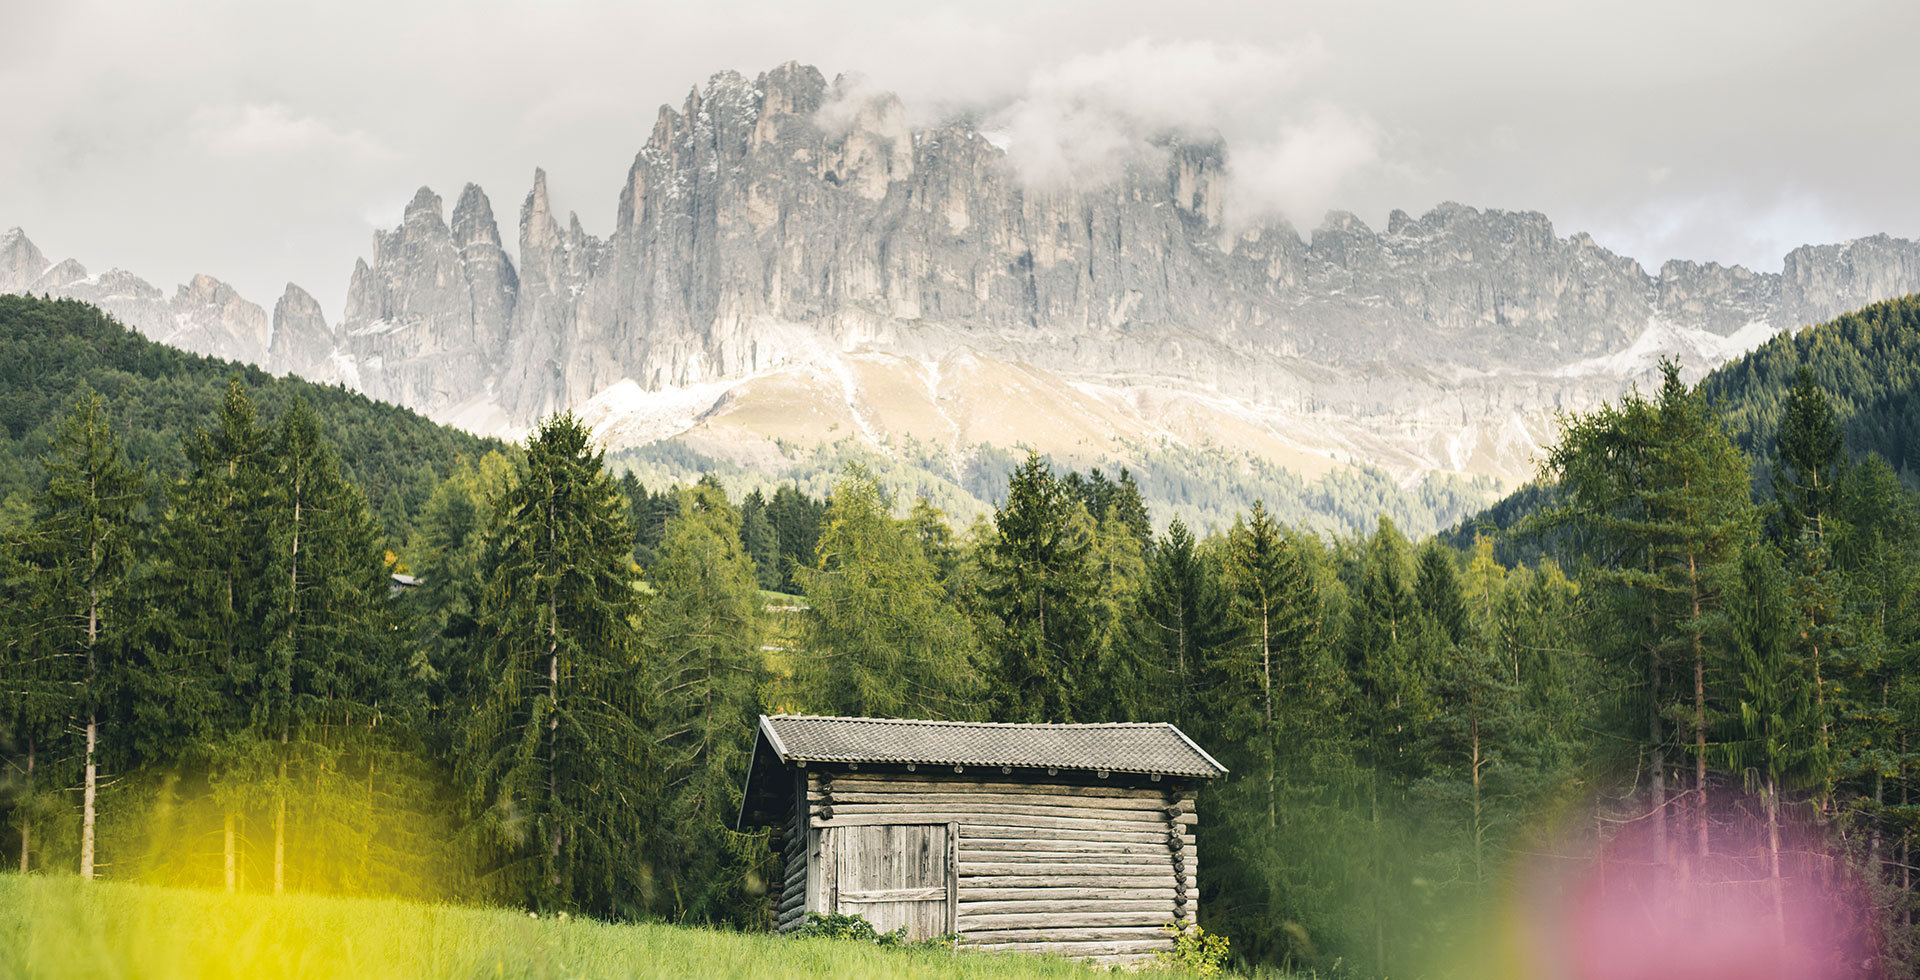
<point x="1071" y="839"/>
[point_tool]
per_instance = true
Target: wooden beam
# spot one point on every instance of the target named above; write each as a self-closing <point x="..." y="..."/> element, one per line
<point x="1057" y="836"/>
<point x="1108" y="947"/>
<point x="882" y="783"/>
<point x="1158" y="907"/>
<point x="1067" y="891"/>
<point x="1086" y="881"/>
<point x="970" y="922"/>
<point x="1070" y="935"/>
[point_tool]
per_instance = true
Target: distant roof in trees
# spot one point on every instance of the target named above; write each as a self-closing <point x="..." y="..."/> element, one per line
<point x="1148" y="748"/>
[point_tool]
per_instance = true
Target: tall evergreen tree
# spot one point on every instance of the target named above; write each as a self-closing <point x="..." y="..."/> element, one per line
<point x="557" y="754"/>
<point x="1662" y="495"/>
<point x="79" y="549"/>
<point x="1040" y="603"/>
<point x="1778" y="747"/>
<point x="1183" y="618"/>
<point x="703" y="635"/>
<point x="329" y="655"/>
<point x="1811" y="460"/>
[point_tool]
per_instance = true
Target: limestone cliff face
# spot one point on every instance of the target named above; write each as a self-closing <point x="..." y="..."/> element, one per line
<point x="302" y="342"/>
<point x="780" y="220"/>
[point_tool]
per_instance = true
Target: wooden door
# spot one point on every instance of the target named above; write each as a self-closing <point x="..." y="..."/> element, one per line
<point x="896" y="875"/>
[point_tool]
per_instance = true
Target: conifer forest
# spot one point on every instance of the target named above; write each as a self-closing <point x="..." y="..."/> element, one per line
<point x="246" y="645"/>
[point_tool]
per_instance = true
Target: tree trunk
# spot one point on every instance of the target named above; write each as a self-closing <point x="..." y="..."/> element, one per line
<point x="553" y="731"/>
<point x="88" y="795"/>
<point x="1379" y="883"/>
<point x="1699" y="719"/>
<point x="1479" y="827"/>
<point x="230" y="847"/>
<point x="26" y="826"/>
<point x="1657" y="765"/>
<point x="1266" y="676"/>
<point x="280" y="820"/>
<point x="1773" y="862"/>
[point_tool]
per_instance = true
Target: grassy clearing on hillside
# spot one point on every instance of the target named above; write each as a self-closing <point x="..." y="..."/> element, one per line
<point x="52" y="927"/>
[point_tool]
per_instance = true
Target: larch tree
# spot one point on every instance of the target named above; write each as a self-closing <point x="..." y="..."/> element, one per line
<point x="880" y="637"/>
<point x="557" y="752"/>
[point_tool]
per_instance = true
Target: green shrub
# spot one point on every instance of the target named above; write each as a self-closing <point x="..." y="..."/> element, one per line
<point x="1195" y="950"/>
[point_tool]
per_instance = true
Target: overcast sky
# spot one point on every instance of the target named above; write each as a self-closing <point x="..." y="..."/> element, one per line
<point x="264" y="142"/>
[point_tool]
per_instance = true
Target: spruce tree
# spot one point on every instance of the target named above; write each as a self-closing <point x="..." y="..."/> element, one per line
<point x="880" y="638"/>
<point x="78" y="551"/>
<point x="202" y="606"/>
<point x="1039" y="602"/>
<point x="1779" y="747"/>
<point x="329" y="653"/>
<point x="702" y="637"/>
<point x="1436" y="589"/>
<point x="1811" y="460"/>
<point x="1661" y="495"/>
<point x="1183" y="617"/>
<point x="557" y="754"/>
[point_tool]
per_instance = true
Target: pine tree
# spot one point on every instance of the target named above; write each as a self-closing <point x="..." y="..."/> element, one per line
<point x="1039" y="600"/>
<point x="78" y="550"/>
<point x="557" y="754"/>
<point x="702" y="635"/>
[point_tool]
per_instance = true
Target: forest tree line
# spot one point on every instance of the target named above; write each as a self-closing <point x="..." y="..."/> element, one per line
<point x="224" y="689"/>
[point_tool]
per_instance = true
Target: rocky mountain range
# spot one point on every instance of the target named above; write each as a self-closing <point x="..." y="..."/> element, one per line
<point x="792" y="263"/>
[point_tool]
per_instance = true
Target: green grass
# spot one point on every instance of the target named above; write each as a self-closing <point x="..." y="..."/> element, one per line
<point x="60" y="927"/>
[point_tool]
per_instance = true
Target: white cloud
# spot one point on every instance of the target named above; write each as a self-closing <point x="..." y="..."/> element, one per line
<point x="1084" y="118"/>
<point x="274" y="130"/>
<point x="1300" y="170"/>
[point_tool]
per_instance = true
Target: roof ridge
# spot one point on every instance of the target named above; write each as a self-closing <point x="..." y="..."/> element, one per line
<point x="977" y="724"/>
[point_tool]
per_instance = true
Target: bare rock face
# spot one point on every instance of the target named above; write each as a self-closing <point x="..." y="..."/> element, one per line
<point x="302" y="342"/>
<point x="426" y="322"/>
<point x="20" y="262"/>
<point x="211" y="318"/>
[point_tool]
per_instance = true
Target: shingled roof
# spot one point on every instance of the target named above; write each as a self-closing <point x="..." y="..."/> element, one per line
<point x="1119" y="747"/>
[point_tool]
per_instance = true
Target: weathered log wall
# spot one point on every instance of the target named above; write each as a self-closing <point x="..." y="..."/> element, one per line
<point x="1084" y="870"/>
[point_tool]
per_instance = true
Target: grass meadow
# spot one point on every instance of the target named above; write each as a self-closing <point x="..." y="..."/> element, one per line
<point x="60" y="928"/>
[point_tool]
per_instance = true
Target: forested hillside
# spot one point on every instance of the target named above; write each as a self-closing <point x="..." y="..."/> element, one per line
<point x="157" y="394"/>
<point x="1705" y="705"/>
<point x="1868" y="359"/>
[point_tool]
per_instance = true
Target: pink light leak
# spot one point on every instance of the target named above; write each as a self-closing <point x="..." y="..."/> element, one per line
<point x="1622" y="915"/>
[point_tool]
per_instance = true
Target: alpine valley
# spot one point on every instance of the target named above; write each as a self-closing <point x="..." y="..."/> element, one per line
<point x="797" y="276"/>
